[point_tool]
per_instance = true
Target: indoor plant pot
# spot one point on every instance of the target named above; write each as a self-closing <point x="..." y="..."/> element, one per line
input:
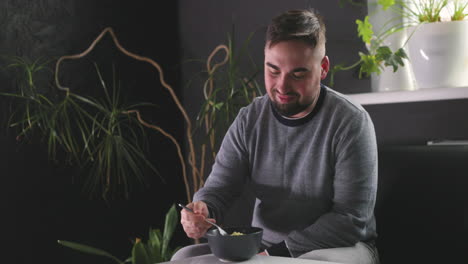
<point x="438" y="54"/>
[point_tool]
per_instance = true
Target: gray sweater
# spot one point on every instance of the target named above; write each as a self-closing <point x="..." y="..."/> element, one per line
<point x="314" y="178"/>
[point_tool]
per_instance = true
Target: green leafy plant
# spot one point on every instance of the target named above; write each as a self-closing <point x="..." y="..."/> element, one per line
<point x="378" y="55"/>
<point x="115" y="142"/>
<point x="226" y="89"/>
<point x="47" y="113"/>
<point x="413" y="13"/>
<point x="427" y="11"/>
<point x="459" y="10"/>
<point x="156" y="249"/>
<point x="95" y="134"/>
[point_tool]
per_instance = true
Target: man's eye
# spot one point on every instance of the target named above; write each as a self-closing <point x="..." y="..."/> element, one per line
<point x="274" y="72"/>
<point x="298" y="75"/>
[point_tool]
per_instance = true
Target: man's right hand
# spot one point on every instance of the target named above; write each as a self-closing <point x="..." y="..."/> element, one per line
<point x="194" y="223"/>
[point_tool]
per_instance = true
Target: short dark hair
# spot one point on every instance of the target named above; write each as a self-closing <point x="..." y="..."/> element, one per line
<point x="306" y="25"/>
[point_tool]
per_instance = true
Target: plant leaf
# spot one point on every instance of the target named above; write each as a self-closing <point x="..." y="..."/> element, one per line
<point x="401" y="53"/>
<point x="365" y="29"/>
<point x="369" y="64"/>
<point x="218" y="105"/>
<point x="169" y="226"/>
<point x="139" y="254"/>
<point x="386" y="3"/>
<point x="153" y="255"/>
<point x="87" y="249"/>
<point x="395" y="60"/>
<point x="383" y="53"/>
<point x="154" y="241"/>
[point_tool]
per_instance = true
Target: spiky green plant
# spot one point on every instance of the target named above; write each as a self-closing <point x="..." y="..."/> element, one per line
<point x="57" y="118"/>
<point x="425" y="11"/>
<point x="155" y="250"/>
<point x="94" y="133"/>
<point x="116" y="143"/>
<point x="459" y="11"/>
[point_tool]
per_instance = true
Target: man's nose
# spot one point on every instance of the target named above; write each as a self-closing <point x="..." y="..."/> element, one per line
<point x="283" y="84"/>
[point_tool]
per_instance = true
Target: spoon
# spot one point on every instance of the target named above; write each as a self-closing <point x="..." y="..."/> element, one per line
<point x="221" y="231"/>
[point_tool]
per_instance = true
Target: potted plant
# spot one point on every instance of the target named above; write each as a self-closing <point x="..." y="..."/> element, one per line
<point x="391" y="32"/>
<point x="379" y="56"/>
<point x="80" y="130"/>
<point x="156" y="249"/>
<point x="437" y="47"/>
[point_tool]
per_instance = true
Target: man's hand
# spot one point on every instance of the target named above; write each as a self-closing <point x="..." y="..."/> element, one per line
<point x="194" y="223"/>
<point x="263" y="253"/>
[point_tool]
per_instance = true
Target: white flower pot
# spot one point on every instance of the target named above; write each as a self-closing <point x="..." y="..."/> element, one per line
<point x="439" y="54"/>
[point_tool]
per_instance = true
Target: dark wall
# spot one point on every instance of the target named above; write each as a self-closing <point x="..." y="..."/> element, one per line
<point x="42" y="201"/>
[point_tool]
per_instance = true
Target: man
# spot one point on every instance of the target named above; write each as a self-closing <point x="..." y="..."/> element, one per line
<point x="308" y="153"/>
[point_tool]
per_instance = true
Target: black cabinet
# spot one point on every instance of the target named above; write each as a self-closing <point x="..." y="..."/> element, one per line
<point x="421" y="206"/>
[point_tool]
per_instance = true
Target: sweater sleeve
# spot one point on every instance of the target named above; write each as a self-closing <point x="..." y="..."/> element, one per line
<point x="229" y="173"/>
<point x="355" y="187"/>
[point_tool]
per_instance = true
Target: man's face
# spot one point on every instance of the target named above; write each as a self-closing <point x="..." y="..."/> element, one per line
<point x="293" y="71"/>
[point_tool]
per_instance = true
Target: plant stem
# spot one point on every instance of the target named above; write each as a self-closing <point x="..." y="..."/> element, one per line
<point x="179" y="150"/>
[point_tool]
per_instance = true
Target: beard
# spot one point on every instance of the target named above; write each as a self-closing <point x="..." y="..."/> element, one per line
<point x="292" y="108"/>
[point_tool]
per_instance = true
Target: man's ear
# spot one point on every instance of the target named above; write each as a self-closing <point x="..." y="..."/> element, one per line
<point x="325" y="65"/>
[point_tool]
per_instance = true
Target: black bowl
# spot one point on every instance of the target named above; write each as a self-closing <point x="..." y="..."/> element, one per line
<point x="235" y="248"/>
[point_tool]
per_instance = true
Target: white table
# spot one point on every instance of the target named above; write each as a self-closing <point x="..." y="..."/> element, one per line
<point x="257" y="259"/>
